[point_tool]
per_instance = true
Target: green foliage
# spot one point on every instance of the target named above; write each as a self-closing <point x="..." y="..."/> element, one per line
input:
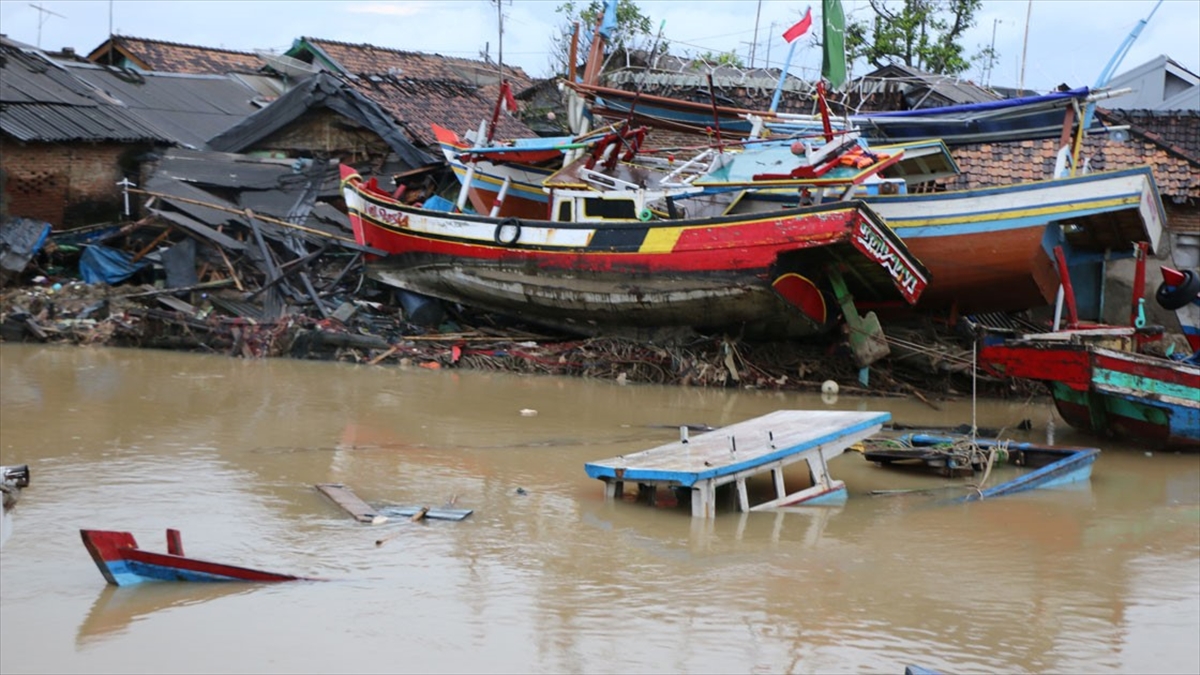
<point x="724" y="59"/>
<point x="630" y="19"/>
<point x="633" y="30"/>
<point x="923" y="34"/>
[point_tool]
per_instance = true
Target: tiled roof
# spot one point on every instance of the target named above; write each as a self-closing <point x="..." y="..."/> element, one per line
<point x="989" y="164"/>
<point x="418" y="103"/>
<point x="171" y="57"/>
<point x="1178" y="130"/>
<point x="363" y="59"/>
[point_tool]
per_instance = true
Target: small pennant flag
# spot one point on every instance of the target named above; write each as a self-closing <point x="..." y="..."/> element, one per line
<point x="800" y="28"/>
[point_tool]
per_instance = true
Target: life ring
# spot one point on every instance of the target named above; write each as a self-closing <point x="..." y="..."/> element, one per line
<point x="1174" y="297"/>
<point x="508" y="231"/>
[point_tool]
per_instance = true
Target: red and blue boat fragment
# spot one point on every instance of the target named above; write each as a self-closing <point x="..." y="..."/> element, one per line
<point x="123" y="564"/>
<point x="1106" y="390"/>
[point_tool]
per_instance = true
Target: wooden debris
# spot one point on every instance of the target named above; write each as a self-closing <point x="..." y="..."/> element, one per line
<point x="350" y="503"/>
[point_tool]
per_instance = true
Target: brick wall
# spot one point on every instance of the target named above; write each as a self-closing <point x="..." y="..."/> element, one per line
<point x="324" y="133"/>
<point x="1182" y="217"/>
<point x="66" y="185"/>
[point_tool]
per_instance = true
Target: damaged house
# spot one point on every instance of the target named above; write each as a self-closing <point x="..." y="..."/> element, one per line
<point x="70" y="132"/>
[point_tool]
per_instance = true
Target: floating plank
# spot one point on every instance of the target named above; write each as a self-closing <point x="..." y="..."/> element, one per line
<point x="436" y="514"/>
<point x="734" y="453"/>
<point x="350" y="503"/>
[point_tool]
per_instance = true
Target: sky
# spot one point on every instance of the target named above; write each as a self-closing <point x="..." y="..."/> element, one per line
<point x="1069" y="41"/>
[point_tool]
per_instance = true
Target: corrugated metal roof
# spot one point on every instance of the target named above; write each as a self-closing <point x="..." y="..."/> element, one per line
<point x="188" y="108"/>
<point x="41" y="101"/>
<point x="58" y="123"/>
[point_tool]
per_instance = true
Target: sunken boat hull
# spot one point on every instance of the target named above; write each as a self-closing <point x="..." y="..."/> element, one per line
<point x="123" y="563"/>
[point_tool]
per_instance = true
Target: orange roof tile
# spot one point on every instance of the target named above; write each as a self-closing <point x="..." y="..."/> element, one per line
<point x="418" y="103"/>
<point x="171" y="57"/>
<point x="362" y="59"/>
<point x="988" y="164"/>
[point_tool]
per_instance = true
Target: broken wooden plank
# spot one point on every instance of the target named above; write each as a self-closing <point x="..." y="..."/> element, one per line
<point x="350" y="503"/>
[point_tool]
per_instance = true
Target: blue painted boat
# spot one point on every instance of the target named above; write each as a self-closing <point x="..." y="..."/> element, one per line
<point x="1016" y="119"/>
<point x="1053" y="466"/>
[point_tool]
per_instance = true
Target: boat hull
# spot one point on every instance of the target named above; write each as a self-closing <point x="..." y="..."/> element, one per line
<point x="591" y="277"/>
<point x="979" y="242"/>
<point x="122" y="563"/>
<point x="1148" y="400"/>
<point x="973" y="242"/>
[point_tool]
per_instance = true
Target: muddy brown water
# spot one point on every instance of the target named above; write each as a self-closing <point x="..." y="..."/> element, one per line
<point x="1104" y="577"/>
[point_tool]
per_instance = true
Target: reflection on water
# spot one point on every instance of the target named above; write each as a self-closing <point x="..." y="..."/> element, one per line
<point x="545" y="575"/>
<point x="115" y="609"/>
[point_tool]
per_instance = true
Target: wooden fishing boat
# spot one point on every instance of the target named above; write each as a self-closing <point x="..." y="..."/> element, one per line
<point x="978" y="241"/>
<point x="1102" y="386"/>
<point x="1052" y="466"/>
<point x="973" y="241"/>
<point x="611" y="260"/>
<point x="1016" y="119"/>
<point x="122" y="563"/>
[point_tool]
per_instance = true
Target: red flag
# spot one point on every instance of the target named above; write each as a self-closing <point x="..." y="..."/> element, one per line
<point x="800" y="28"/>
<point x="510" y="102"/>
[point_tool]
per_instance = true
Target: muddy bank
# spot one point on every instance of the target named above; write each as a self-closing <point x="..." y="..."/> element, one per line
<point x="369" y="326"/>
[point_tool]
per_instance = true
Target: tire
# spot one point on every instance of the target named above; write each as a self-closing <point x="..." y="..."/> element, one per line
<point x="1172" y="298"/>
<point x="508" y="231"/>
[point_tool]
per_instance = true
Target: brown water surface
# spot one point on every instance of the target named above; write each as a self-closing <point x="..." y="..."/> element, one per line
<point x="1104" y="577"/>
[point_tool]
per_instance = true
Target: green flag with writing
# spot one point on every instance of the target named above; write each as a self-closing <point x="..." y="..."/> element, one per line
<point x="833" y="59"/>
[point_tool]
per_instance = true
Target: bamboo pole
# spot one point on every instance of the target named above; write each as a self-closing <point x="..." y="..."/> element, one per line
<point x="241" y="212"/>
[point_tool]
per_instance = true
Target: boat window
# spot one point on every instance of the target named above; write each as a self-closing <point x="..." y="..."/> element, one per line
<point x="564" y="212"/>
<point x="610" y="208"/>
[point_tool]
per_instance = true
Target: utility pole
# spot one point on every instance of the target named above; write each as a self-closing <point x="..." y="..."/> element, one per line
<point x="769" y="36"/>
<point x="987" y="78"/>
<point x="1024" y="51"/>
<point x="42" y="19"/>
<point x="754" y="45"/>
<point x="500" y="42"/>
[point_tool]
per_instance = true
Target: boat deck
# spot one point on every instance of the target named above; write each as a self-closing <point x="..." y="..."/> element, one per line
<point x="734" y="453"/>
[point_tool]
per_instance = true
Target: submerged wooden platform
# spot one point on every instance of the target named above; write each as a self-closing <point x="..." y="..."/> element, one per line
<point x="365" y="513"/>
<point x="734" y="453"/>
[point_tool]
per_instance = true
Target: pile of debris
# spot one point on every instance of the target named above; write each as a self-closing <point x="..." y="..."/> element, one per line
<point x="253" y="257"/>
<point x="368" y="327"/>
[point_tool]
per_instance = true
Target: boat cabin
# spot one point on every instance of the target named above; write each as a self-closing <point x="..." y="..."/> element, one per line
<point x="591" y="206"/>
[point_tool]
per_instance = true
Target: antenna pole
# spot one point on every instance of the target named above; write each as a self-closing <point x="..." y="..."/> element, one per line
<point x="42" y="19"/>
<point x="1024" y="51"/>
<point x="754" y="45"/>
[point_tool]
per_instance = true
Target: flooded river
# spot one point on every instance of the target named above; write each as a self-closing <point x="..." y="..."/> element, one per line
<point x="545" y="576"/>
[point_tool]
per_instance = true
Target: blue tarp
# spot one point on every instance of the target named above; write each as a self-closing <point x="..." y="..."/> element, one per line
<point x="1079" y="92"/>
<point x="101" y="265"/>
